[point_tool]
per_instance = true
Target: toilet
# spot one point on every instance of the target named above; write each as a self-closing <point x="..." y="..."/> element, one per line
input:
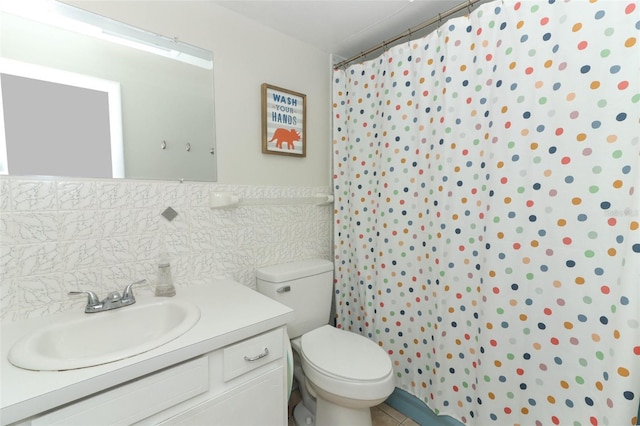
<point x="340" y="374"/>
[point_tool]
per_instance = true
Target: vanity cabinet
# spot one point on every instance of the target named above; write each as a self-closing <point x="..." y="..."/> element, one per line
<point x="244" y="383"/>
<point x="230" y="368"/>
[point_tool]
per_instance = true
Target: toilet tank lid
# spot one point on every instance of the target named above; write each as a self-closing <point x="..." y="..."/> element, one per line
<point x="293" y="270"/>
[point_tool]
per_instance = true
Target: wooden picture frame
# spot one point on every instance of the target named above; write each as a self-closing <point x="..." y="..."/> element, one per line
<point x="284" y="122"/>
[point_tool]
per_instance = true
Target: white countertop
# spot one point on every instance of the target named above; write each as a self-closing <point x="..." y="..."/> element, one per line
<point x="230" y="312"/>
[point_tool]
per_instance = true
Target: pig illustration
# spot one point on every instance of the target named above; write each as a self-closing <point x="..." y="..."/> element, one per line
<point x="283" y="135"/>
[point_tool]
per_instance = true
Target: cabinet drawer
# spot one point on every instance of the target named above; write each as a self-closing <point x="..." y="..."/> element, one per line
<point x="252" y="353"/>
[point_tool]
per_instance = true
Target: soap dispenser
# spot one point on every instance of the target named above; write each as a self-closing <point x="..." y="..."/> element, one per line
<point x="164" y="285"/>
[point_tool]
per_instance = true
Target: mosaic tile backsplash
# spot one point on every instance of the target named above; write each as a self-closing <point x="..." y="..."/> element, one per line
<point x="58" y="235"/>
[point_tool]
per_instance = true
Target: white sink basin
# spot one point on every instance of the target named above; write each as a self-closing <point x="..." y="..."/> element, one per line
<point x="84" y="340"/>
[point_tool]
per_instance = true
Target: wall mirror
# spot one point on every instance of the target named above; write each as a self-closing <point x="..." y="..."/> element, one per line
<point x="152" y="97"/>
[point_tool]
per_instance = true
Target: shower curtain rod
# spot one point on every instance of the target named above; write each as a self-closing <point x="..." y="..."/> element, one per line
<point x="467" y="4"/>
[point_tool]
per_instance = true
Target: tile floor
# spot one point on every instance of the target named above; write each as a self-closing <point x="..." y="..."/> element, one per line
<point x="381" y="415"/>
<point x="384" y="415"/>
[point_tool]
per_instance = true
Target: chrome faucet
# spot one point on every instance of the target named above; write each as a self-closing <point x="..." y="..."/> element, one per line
<point x="113" y="300"/>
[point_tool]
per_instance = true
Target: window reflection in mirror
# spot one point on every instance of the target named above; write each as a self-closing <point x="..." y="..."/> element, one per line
<point x="167" y="114"/>
<point x="83" y="139"/>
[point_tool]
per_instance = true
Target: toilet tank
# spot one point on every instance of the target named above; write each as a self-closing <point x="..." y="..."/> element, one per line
<point x="305" y="286"/>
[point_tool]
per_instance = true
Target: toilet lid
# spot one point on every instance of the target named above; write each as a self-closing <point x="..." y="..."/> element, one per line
<point x="344" y="354"/>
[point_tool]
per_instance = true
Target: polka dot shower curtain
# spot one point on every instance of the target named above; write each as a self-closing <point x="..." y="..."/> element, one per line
<point x="487" y="212"/>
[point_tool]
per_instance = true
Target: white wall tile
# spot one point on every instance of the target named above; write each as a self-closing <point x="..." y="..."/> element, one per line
<point x="82" y="280"/>
<point x="28" y="227"/>
<point x="5" y="198"/>
<point x="113" y="195"/>
<point x="63" y="235"/>
<point x="78" y="224"/>
<point x="117" y="250"/>
<point x="33" y="195"/>
<point x="33" y="259"/>
<point x="146" y="221"/>
<point x="77" y="195"/>
<point x="146" y="195"/>
<point x="115" y="222"/>
<point x="78" y="254"/>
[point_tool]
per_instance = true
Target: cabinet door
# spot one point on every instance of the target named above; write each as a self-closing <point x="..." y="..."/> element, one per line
<point x="128" y="403"/>
<point x="257" y="402"/>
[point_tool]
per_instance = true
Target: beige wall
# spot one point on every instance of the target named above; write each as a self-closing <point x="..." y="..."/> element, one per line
<point x="246" y="54"/>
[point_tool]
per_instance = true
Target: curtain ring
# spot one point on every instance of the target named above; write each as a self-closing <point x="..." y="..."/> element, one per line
<point x="469" y="7"/>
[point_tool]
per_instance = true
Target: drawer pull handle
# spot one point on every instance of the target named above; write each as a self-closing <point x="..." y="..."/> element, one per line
<point x="257" y="357"/>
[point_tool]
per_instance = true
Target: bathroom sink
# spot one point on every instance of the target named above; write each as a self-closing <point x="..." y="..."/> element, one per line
<point x="81" y="340"/>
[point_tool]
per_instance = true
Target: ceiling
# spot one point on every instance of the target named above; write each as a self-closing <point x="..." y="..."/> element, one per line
<point x="345" y="28"/>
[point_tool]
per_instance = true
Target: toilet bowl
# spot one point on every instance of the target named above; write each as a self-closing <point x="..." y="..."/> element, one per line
<point x="344" y="372"/>
<point x="348" y="373"/>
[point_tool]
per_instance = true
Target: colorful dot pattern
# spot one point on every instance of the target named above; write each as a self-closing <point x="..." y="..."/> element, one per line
<point x="486" y="217"/>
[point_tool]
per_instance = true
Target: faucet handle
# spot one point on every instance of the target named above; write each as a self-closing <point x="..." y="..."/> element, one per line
<point x="127" y="294"/>
<point x="92" y="297"/>
<point x="112" y="297"/>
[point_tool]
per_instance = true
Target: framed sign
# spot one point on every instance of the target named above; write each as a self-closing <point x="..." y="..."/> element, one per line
<point x="284" y="122"/>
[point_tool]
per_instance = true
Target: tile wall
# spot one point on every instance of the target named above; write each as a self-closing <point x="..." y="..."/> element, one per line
<point x="58" y="235"/>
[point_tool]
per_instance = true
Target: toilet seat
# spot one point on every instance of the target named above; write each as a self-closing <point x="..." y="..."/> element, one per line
<point x="345" y="355"/>
<point x="346" y="364"/>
